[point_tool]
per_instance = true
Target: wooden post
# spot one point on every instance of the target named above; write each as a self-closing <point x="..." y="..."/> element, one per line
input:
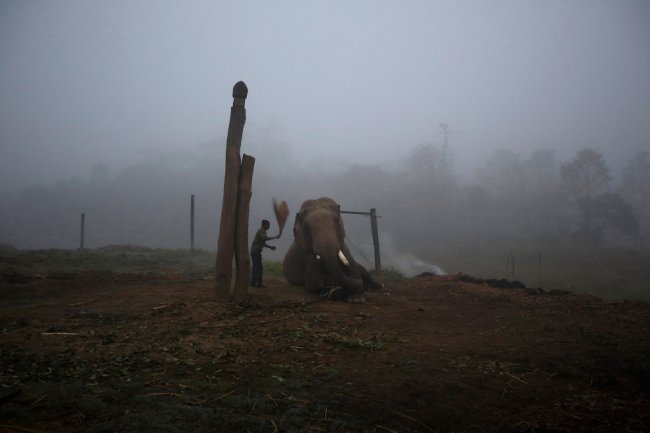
<point x="242" y="258"/>
<point x="83" y="231"/>
<point x="375" y="238"/>
<point x="373" y="229"/>
<point x="227" y="226"/>
<point x="192" y="223"/>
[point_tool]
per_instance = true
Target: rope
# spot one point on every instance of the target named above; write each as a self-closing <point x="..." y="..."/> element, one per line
<point x="358" y="250"/>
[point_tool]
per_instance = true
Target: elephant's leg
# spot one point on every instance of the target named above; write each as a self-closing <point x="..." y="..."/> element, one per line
<point x="368" y="280"/>
<point x="336" y="291"/>
<point x="339" y="293"/>
<point x="357" y="298"/>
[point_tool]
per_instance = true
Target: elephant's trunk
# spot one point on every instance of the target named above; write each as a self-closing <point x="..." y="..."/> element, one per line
<point x="332" y="263"/>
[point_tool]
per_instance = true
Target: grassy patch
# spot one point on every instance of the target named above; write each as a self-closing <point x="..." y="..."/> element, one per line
<point x="609" y="273"/>
<point x="391" y="273"/>
<point x="273" y="269"/>
<point x="119" y="259"/>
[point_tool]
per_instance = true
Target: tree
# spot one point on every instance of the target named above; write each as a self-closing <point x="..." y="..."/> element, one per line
<point x="586" y="175"/>
<point x="608" y="210"/>
<point x="365" y="185"/>
<point x="524" y="194"/>
<point x="422" y="165"/>
<point x="445" y="160"/>
<point x="542" y="170"/>
<point x="587" y="178"/>
<point x="502" y="174"/>
<point x="635" y="187"/>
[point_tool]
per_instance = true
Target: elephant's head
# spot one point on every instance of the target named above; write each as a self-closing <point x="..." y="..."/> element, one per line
<point x="319" y="232"/>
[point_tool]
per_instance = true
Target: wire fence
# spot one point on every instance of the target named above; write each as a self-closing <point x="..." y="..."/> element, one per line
<point x="192" y="225"/>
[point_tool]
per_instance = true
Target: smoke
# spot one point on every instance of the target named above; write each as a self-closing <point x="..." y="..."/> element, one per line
<point x="408" y="264"/>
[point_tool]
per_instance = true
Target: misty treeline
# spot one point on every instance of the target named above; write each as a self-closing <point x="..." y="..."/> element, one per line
<point x="534" y="199"/>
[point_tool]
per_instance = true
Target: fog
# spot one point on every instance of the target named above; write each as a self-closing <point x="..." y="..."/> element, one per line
<point x="120" y="110"/>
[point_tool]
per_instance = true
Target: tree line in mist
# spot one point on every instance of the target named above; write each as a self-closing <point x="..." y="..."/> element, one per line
<point x="534" y="199"/>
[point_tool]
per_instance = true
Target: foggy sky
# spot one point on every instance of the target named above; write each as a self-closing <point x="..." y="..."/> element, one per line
<point x="83" y="82"/>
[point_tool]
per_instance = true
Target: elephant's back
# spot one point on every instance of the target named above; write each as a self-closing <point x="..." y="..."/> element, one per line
<point x="319" y="203"/>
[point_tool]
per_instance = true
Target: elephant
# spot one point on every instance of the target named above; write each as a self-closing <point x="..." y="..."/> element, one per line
<point x="319" y="259"/>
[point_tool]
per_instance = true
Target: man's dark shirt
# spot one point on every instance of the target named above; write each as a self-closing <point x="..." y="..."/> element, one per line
<point x="259" y="241"/>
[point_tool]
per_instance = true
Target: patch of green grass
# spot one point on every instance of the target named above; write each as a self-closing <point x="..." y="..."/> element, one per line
<point x="273" y="269"/>
<point x="120" y="259"/>
<point x="391" y="273"/>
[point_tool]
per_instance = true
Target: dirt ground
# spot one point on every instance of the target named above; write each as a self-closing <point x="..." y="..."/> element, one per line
<point x="108" y="352"/>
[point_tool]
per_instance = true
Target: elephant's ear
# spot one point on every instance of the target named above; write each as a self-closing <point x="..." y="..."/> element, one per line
<point x="339" y="221"/>
<point x="298" y="230"/>
<point x="297" y="223"/>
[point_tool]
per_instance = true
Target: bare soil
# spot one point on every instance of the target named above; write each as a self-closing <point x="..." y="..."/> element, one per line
<point x="109" y="352"/>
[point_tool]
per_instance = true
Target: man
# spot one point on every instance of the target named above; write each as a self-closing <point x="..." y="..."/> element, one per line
<point x="259" y="242"/>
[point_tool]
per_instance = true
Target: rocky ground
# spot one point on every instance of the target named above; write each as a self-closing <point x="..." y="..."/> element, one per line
<point x="98" y="351"/>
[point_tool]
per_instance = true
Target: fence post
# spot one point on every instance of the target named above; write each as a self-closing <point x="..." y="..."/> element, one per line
<point x="375" y="238"/>
<point x="192" y="223"/>
<point x="83" y="231"/>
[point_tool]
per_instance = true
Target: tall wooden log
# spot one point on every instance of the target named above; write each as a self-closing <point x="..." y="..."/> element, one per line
<point x="242" y="258"/>
<point x="227" y="225"/>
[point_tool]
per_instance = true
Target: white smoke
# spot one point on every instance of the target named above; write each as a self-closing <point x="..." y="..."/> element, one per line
<point x="408" y="264"/>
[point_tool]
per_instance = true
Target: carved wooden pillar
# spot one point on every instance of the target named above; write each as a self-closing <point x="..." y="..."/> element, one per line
<point x="228" y="224"/>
